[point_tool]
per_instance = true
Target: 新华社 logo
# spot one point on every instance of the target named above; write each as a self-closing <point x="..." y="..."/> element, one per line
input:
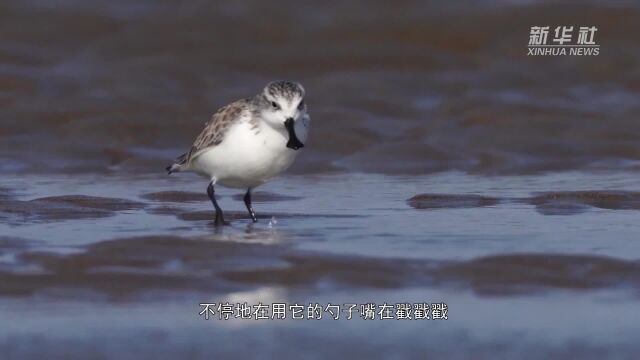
<point x="563" y="41"/>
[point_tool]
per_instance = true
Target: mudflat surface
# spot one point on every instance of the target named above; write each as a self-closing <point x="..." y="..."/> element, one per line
<point x="443" y="165"/>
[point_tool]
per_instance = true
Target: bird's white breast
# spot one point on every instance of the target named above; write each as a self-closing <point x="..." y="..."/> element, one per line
<point x="248" y="156"/>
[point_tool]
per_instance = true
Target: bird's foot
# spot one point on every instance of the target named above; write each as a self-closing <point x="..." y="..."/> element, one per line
<point x="219" y="220"/>
<point x="221" y="223"/>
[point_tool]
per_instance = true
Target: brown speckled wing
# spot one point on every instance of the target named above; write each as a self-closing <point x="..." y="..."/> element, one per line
<point x="215" y="129"/>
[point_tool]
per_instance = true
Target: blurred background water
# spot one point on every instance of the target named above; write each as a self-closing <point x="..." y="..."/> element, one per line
<point x="444" y="165"/>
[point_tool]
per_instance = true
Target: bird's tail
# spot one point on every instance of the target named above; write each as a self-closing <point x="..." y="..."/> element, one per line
<point x="178" y="164"/>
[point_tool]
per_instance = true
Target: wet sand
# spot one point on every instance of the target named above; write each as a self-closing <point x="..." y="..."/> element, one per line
<point x="118" y="87"/>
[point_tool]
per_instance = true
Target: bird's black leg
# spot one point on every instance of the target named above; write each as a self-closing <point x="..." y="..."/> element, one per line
<point x="247" y="202"/>
<point x="219" y="216"/>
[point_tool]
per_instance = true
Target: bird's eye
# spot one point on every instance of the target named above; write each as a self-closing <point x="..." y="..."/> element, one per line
<point x="275" y="105"/>
<point x="301" y="105"/>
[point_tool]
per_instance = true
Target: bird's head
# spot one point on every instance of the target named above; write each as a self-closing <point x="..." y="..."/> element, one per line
<point x="283" y="107"/>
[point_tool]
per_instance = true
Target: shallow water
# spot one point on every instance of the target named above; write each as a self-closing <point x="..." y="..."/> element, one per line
<point x="514" y="278"/>
<point x="365" y="214"/>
